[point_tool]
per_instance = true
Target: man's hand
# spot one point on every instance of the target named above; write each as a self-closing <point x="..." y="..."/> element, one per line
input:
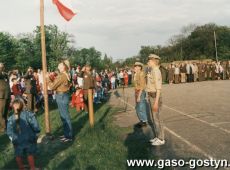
<point x="155" y="107"/>
<point x="83" y="69"/>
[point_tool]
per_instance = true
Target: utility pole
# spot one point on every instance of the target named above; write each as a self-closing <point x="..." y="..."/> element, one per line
<point x="215" y="46"/>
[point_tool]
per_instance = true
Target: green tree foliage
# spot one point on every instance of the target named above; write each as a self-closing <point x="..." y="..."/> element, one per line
<point x="87" y="56"/>
<point x="58" y="44"/>
<point x="25" y="53"/>
<point x="25" y="50"/>
<point x="194" y="42"/>
<point x="8" y="49"/>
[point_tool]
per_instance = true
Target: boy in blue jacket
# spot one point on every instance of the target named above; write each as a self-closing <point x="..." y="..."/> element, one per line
<point x="22" y="129"/>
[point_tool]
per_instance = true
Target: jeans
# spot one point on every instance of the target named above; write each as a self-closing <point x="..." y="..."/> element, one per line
<point x="113" y="85"/>
<point x="141" y="107"/>
<point x="63" y="107"/>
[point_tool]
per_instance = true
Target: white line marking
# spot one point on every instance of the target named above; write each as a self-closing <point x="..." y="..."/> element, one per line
<point x="220" y="123"/>
<point x="189" y="143"/>
<point x="178" y="136"/>
<point x="203" y="121"/>
<point x="181" y="138"/>
<point x="192" y="117"/>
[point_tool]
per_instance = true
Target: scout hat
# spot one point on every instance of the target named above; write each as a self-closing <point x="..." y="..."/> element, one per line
<point x="67" y="63"/>
<point x="138" y="64"/>
<point x="153" y="56"/>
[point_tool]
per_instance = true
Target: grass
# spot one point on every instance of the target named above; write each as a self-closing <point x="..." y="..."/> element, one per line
<point x="103" y="147"/>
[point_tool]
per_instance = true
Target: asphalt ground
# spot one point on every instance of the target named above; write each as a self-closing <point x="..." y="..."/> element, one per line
<point x="196" y="117"/>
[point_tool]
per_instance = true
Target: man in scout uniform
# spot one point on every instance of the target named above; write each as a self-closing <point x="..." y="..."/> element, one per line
<point x="153" y="89"/>
<point x="4" y="98"/>
<point x="208" y="68"/>
<point x="200" y="68"/>
<point x="140" y="95"/>
<point x="183" y="73"/>
<point x="88" y="83"/>
<point x="31" y="90"/>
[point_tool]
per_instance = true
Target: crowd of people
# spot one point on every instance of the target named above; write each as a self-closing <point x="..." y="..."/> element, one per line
<point x="197" y="71"/>
<point x="21" y="95"/>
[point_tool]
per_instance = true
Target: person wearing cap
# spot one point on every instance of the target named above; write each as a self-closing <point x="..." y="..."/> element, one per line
<point x="153" y="89"/>
<point x="88" y="83"/>
<point x="4" y="98"/>
<point x="61" y="85"/>
<point x="31" y="90"/>
<point x="140" y="95"/>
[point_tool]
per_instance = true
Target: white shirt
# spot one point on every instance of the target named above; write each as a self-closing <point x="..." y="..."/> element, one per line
<point x="80" y="81"/>
<point x="177" y="70"/>
<point x="121" y="75"/>
<point x="113" y="79"/>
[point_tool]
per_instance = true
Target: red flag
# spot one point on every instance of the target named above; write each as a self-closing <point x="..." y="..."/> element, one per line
<point x="65" y="11"/>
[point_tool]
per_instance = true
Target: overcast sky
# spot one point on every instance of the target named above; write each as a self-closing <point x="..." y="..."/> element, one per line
<point x="116" y="27"/>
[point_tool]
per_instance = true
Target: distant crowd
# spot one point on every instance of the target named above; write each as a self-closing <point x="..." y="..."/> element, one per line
<point x="197" y="71"/>
<point x="29" y="86"/>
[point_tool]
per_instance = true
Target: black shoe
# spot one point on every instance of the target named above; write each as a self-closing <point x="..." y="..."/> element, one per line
<point x="141" y="124"/>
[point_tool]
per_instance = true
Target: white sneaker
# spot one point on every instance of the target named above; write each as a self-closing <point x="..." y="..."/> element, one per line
<point x="158" y="142"/>
<point x="153" y="140"/>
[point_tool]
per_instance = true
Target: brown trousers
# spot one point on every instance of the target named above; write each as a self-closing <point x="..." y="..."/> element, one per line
<point x="31" y="102"/>
<point x="177" y="78"/>
<point x="156" y="123"/>
<point x="4" y="104"/>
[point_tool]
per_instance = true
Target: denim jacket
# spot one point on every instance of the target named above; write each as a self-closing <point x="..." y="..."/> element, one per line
<point x="28" y="129"/>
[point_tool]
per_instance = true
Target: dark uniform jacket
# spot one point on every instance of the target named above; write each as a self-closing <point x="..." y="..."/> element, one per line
<point x="88" y="80"/>
<point x="30" y="84"/>
<point x="4" y="86"/>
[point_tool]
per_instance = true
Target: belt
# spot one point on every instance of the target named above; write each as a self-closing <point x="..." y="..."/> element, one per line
<point x="61" y="92"/>
<point x="152" y="94"/>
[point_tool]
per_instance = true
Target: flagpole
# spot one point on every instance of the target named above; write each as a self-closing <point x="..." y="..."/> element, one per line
<point x="44" y="68"/>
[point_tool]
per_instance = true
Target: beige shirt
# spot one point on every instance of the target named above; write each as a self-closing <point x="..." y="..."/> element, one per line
<point x="154" y="80"/>
<point x="139" y="81"/>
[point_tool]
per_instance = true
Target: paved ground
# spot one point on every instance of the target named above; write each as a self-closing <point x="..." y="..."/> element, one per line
<point x="196" y="118"/>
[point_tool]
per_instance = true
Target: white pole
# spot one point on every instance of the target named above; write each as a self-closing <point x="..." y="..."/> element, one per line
<point x="215" y="46"/>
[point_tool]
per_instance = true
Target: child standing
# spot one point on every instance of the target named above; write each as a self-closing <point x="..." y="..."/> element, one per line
<point x="77" y="99"/>
<point x="16" y="88"/>
<point x="98" y="93"/>
<point x="22" y="129"/>
<point x="113" y="82"/>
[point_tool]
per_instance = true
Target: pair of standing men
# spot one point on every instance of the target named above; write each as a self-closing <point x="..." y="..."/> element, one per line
<point x="152" y="87"/>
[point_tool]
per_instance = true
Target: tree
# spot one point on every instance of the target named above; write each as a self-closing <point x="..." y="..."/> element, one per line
<point x="26" y="52"/>
<point x="7" y="50"/>
<point x="87" y="56"/>
<point x="57" y="45"/>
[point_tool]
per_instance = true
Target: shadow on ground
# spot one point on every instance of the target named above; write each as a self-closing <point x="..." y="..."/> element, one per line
<point x="49" y="149"/>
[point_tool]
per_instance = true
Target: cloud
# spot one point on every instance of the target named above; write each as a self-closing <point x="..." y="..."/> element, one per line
<point x="117" y="27"/>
